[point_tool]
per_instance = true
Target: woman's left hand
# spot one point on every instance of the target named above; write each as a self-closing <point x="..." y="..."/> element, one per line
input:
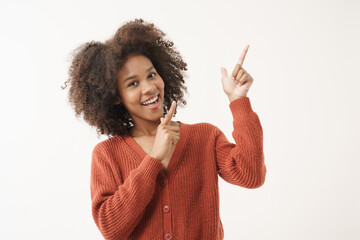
<point x="238" y="83"/>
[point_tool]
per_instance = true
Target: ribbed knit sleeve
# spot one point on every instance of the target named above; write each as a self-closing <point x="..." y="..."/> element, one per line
<point x="242" y="163"/>
<point x="117" y="209"/>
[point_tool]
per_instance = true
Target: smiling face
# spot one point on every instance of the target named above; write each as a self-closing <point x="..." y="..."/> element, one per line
<point x="139" y="84"/>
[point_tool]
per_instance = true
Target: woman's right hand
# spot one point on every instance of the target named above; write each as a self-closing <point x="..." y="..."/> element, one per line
<point x="166" y="136"/>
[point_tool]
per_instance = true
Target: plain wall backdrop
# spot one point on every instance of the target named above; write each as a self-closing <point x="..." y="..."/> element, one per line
<point x="304" y="57"/>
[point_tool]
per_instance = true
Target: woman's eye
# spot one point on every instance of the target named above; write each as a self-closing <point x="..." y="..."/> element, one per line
<point x="131" y="84"/>
<point x="151" y="75"/>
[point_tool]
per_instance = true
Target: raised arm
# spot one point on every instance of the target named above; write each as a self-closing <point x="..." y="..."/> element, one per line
<point x="242" y="163"/>
<point x="117" y="209"/>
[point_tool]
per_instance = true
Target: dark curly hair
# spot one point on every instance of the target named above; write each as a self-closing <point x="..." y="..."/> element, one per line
<point x="94" y="70"/>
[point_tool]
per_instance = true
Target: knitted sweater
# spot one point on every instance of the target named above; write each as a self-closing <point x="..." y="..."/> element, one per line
<point x="133" y="198"/>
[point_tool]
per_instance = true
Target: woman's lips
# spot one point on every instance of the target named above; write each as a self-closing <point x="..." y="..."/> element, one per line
<point x="153" y="106"/>
<point x="152" y="97"/>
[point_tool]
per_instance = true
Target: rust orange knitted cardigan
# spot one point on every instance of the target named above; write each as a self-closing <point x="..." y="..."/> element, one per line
<point x="133" y="198"/>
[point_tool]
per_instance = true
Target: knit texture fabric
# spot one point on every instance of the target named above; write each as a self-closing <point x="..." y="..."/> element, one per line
<point x="133" y="198"/>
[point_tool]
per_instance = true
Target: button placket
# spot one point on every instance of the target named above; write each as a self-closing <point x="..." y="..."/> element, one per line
<point x="166" y="207"/>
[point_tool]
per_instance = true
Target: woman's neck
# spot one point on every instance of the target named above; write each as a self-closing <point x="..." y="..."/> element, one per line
<point x="147" y="130"/>
<point x="139" y="130"/>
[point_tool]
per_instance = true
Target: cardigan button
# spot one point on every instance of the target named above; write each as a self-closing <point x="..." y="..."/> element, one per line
<point x="166" y="208"/>
<point x="163" y="182"/>
<point x="168" y="236"/>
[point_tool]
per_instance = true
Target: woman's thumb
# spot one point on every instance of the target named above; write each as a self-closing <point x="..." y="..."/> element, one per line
<point x="223" y="71"/>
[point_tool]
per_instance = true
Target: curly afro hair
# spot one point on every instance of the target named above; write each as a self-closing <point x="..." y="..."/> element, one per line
<point x="94" y="69"/>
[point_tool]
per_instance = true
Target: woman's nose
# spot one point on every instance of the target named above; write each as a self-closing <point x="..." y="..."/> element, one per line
<point x="148" y="87"/>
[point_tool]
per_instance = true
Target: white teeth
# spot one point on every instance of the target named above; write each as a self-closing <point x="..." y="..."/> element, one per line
<point x="150" y="101"/>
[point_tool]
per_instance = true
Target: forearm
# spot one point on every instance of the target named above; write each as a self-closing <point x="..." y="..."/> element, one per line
<point x="118" y="211"/>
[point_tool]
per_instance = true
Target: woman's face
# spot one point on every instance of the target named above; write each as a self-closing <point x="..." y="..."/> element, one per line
<point x="138" y="85"/>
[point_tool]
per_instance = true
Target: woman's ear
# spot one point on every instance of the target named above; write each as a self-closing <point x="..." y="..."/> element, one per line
<point x="118" y="100"/>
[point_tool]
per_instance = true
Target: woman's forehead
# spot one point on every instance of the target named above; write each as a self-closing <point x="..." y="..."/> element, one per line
<point x="135" y="65"/>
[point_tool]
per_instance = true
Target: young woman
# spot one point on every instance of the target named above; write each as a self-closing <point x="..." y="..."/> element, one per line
<point x="155" y="178"/>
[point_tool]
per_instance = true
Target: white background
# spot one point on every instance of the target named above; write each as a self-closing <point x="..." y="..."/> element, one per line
<point x="304" y="57"/>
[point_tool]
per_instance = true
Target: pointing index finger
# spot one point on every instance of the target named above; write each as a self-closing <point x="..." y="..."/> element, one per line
<point x="170" y="114"/>
<point x="242" y="55"/>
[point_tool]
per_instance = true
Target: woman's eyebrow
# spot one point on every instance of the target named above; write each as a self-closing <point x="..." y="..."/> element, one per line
<point x="131" y="77"/>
